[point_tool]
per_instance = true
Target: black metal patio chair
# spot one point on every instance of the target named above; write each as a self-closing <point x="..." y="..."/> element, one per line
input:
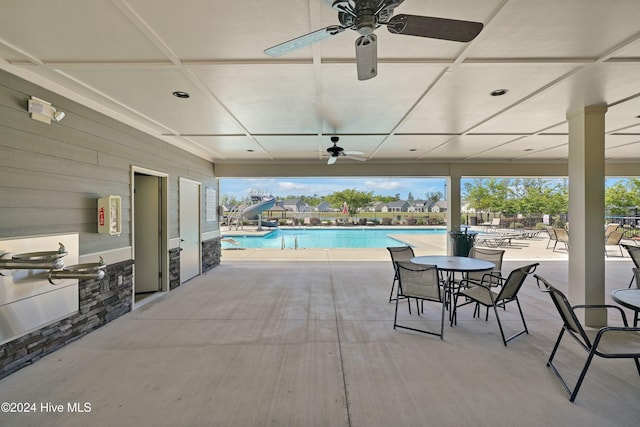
<point x="481" y="293"/>
<point x="423" y="283"/>
<point x="607" y="342"/>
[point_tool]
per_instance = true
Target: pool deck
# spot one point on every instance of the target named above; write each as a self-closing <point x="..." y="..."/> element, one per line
<point x="533" y="248"/>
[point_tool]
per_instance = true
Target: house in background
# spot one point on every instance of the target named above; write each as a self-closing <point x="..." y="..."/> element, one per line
<point x="440" y="206"/>
<point x="295" y="205"/>
<point x="396" y="206"/>
<point x="375" y="207"/>
<point x="420" y="206"/>
<point x="323" y="207"/>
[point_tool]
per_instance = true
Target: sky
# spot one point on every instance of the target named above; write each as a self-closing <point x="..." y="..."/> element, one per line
<point x="282" y="187"/>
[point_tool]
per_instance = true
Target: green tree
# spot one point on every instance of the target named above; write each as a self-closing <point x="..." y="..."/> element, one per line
<point x="384" y="199"/>
<point x="355" y="199"/>
<point x="488" y="195"/>
<point x="622" y="197"/>
<point x="522" y="195"/>
<point x="434" y="197"/>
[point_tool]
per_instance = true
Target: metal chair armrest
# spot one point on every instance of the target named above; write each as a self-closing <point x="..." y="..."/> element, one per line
<point x="607" y="306"/>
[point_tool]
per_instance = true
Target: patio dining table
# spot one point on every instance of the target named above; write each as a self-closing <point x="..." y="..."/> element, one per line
<point x="452" y="265"/>
<point x="629" y="298"/>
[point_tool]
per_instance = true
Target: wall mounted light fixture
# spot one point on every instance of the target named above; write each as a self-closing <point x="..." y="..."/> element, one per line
<point x="43" y="111"/>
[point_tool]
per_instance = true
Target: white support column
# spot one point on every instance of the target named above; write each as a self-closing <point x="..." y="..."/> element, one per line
<point x="453" y="207"/>
<point x="586" y="210"/>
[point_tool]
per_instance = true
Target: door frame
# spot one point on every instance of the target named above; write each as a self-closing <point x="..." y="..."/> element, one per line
<point x="164" y="225"/>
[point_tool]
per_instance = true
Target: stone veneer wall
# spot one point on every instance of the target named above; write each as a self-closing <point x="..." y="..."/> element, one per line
<point x="211" y="253"/>
<point x="101" y="301"/>
<point x="174" y="268"/>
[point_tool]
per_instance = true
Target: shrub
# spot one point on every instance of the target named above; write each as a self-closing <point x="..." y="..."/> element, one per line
<point x="314" y="221"/>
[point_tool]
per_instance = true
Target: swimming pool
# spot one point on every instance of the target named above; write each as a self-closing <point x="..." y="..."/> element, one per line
<point x="327" y="238"/>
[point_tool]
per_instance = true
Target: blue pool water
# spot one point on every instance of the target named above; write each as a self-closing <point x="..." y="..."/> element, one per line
<point x="327" y="238"/>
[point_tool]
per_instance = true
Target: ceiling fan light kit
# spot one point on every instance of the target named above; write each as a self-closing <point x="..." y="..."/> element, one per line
<point x="364" y="16"/>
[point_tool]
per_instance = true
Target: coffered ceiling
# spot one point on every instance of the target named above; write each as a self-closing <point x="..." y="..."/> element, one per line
<point x="430" y="101"/>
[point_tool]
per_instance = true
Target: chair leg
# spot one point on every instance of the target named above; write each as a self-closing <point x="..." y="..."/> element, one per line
<point x="495" y="309"/>
<point x="582" y="375"/>
<point x="442" y="328"/>
<point x="395" y="317"/>
<point x="524" y="331"/>
<point x="454" y="311"/>
<point x="552" y="366"/>
<point x="393" y="285"/>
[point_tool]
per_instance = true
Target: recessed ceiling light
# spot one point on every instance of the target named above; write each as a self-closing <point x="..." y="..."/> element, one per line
<point x="181" y="94"/>
<point x="499" y="92"/>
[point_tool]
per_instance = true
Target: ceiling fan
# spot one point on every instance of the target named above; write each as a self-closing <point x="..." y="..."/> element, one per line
<point x="364" y="16"/>
<point x="335" y="152"/>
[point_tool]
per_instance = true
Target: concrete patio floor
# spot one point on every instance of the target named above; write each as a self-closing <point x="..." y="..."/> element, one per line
<point x="310" y="342"/>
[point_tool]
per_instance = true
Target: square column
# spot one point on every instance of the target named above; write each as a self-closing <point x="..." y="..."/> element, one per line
<point x="453" y="207"/>
<point x="586" y="211"/>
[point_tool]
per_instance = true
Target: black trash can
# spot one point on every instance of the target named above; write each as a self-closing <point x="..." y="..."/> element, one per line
<point x="473" y="220"/>
<point x="462" y="241"/>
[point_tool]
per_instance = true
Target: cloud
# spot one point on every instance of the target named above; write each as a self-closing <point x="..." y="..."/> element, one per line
<point x="288" y="185"/>
<point x="384" y="185"/>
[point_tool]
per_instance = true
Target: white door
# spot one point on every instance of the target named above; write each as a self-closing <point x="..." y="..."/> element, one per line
<point x="189" y="229"/>
<point x="147" y="229"/>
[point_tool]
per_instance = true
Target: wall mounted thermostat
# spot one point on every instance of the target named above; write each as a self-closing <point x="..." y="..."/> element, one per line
<point x="110" y="215"/>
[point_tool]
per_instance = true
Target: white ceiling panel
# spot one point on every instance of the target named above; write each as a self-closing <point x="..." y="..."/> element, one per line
<point x="74" y="30"/>
<point x="624" y="116"/>
<point x="403" y="146"/>
<point x="593" y="85"/>
<point x="265" y="98"/>
<point x="628" y="52"/>
<point x="552" y="28"/>
<point x="522" y="147"/>
<point x="551" y="155"/>
<point x="468" y="146"/>
<point x="461" y="99"/>
<point x="148" y="91"/>
<point x="293" y="147"/>
<point x="371" y="106"/>
<point x="231" y="30"/>
<point x="234" y="147"/>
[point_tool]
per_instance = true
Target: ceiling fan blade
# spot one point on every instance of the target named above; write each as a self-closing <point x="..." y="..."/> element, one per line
<point x="367" y="57"/>
<point x="352" y="153"/>
<point x="356" y="157"/>
<point x="332" y="160"/>
<point x="305" y="40"/>
<point x="435" y="28"/>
